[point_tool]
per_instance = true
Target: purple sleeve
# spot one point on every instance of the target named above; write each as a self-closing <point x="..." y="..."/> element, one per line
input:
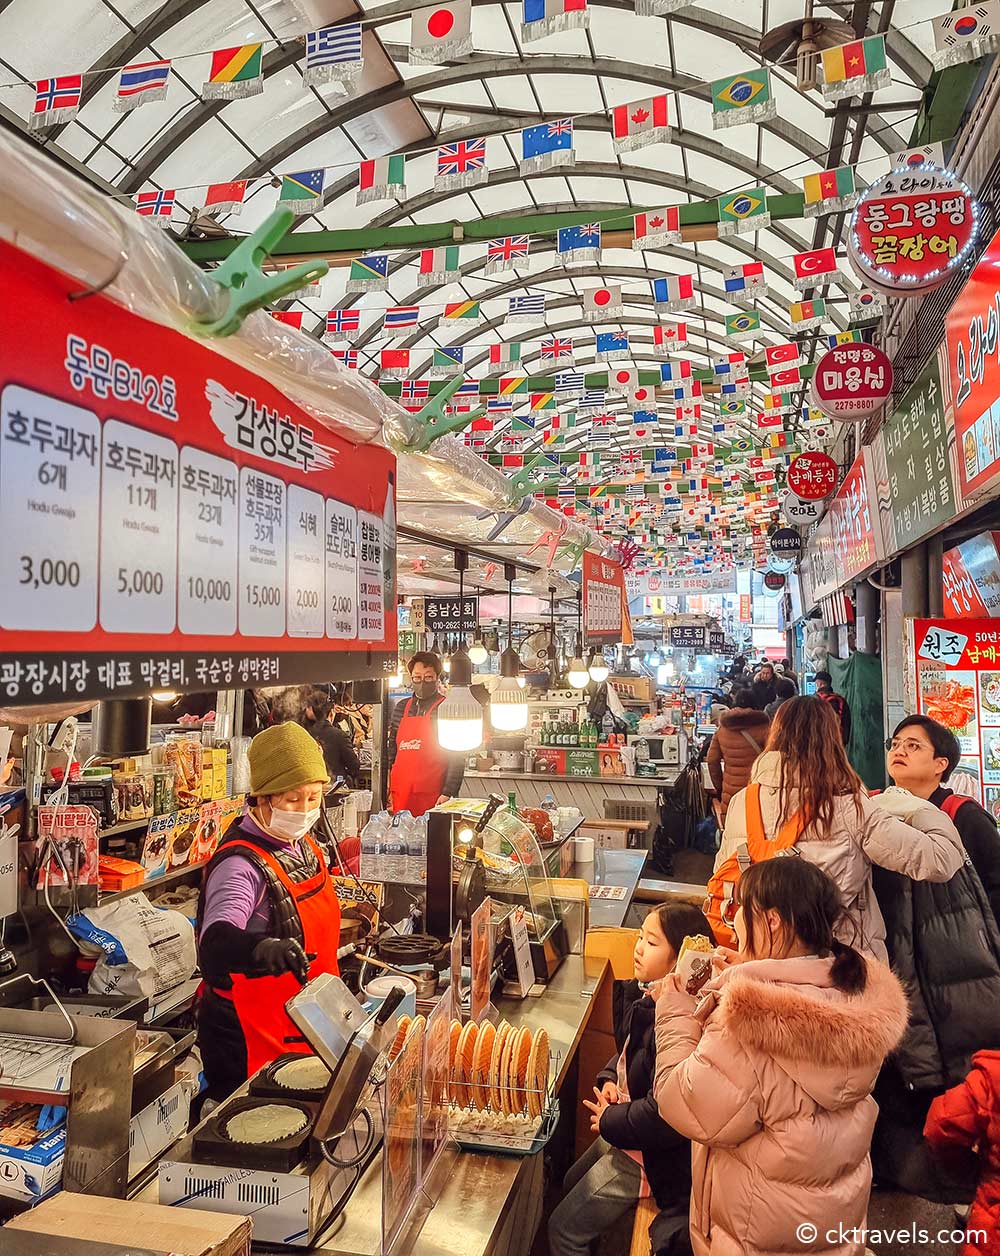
<point x="236" y="892"/>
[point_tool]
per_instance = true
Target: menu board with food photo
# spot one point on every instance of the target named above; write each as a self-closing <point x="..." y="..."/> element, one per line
<point x="955" y="668"/>
<point x="402" y="1116"/>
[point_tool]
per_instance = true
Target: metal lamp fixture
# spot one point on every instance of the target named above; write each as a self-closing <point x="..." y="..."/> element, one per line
<point x="577" y="673"/>
<point x="508" y="704"/>
<point x="460" y="717"/>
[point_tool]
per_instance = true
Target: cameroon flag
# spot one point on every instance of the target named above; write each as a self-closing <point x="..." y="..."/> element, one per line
<point x="829" y="191"/>
<point x="235" y="73"/>
<point x="855" y="68"/>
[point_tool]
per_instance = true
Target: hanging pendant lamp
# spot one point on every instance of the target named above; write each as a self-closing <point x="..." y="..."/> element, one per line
<point x="508" y="704"/>
<point x="460" y="717"/>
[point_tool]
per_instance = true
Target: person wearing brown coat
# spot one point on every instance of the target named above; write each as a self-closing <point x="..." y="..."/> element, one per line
<point x="733" y="750"/>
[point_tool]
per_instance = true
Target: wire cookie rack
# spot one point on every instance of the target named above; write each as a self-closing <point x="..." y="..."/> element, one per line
<point x="522" y="1124"/>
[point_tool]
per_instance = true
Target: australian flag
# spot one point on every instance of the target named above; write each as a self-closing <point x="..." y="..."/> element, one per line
<point x="546" y="145"/>
<point x="579" y="244"/>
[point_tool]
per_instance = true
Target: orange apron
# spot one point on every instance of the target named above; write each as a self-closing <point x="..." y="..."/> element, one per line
<point x="416" y="781"/>
<point x="259" y="1002"/>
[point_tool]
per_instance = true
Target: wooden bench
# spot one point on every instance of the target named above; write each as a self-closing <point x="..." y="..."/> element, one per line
<point x="655" y="890"/>
<point x="645" y="1211"/>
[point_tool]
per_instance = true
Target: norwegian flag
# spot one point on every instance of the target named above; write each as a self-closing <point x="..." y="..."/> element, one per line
<point x="415" y="390"/>
<point x="461" y="165"/>
<point x="57" y="100"/>
<point x="668" y="337"/>
<point x="344" y="323"/>
<point x="504" y="253"/>
<point x="158" y="205"/>
<point x="346" y="357"/>
<point x="785" y="354"/>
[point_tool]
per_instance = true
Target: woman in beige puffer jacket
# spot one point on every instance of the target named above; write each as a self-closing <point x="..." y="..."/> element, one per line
<point x="895" y="830"/>
<point x="769" y="1073"/>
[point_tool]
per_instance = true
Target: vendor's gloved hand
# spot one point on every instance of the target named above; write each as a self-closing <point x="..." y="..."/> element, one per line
<point x="275" y="956"/>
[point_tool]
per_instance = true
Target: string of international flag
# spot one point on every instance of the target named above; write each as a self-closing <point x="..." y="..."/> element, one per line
<point x="440" y="33"/>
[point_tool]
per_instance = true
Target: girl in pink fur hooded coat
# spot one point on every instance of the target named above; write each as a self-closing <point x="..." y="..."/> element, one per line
<point x="769" y="1072"/>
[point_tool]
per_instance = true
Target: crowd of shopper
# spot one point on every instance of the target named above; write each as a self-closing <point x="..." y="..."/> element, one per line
<point x="851" y="1019"/>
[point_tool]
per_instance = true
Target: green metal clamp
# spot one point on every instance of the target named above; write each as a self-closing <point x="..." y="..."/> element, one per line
<point x="573" y="551"/>
<point x="435" y="423"/>
<point x="249" y="287"/>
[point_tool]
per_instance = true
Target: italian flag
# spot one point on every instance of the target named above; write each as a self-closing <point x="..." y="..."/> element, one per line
<point x="381" y="178"/>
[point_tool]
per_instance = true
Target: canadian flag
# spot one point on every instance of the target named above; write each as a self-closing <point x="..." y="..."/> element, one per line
<point x="639" y="118"/>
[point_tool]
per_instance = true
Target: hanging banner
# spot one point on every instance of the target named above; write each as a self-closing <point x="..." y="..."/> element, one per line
<point x="911" y="229"/>
<point x="854" y="518"/>
<point x="912" y="464"/>
<point x="955" y="672"/>
<point x="170" y="519"/>
<point x="974" y="370"/>
<point x="451" y="614"/>
<point x="851" y="382"/>
<point x="970" y="575"/>
<point x="603" y="598"/>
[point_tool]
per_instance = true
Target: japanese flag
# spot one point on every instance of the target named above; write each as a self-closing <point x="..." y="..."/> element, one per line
<point x="623" y="379"/>
<point x="441" y="31"/>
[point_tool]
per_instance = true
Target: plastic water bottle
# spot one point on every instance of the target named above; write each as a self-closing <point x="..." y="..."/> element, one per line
<point x="372" y="836"/>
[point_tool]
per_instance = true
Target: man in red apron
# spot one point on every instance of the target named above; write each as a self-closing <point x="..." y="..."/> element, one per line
<point x="421" y="774"/>
<point x="267" y="907"/>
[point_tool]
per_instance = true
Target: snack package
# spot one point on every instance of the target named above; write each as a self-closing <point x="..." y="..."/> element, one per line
<point x="184" y="756"/>
<point x="694" y="962"/>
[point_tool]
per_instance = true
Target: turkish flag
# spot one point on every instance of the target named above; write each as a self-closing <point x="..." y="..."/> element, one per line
<point x="776" y="354"/>
<point x="815" y="262"/>
<point x="787" y="377"/>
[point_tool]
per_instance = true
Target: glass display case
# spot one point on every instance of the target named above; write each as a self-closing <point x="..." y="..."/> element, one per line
<point x="478" y="848"/>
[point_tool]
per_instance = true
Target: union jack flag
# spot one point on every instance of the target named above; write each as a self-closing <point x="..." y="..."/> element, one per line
<point x="462" y="157"/>
<point x="504" y="253"/>
<point x="562" y="126"/>
<point x="339" y="322"/>
<point x="630" y="458"/>
<point x="556" y="347"/>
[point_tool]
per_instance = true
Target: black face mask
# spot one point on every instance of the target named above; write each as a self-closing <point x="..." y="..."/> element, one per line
<point x="425" y="688"/>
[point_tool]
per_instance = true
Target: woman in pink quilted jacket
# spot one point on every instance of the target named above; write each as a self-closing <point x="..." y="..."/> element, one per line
<point x="769" y="1072"/>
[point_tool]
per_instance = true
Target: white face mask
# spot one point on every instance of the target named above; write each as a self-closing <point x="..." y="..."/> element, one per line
<point x="291" y="825"/>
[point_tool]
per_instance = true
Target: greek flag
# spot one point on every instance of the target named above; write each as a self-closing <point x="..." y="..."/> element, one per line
<point x="333" y="53"/>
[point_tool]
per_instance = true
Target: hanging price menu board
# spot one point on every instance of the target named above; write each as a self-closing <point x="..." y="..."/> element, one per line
<point x="170" y="520"/>
<point x="603" y="595"/>
<point x="955" y="668"/>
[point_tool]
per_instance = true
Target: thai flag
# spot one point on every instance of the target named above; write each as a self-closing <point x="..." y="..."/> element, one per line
<point x="147" y="79"/>
<point x="400" y="316"/>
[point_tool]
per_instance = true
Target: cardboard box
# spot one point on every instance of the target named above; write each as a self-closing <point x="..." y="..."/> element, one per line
<point x="29" y="1173"/>
<point x="550" y="761"/>
<point x="611" y="763"/>
<point x="582" y="763"/>
<point x="157" y="1127"/>
<point x="606" y="835"/>
<point x="122" y="1223"/>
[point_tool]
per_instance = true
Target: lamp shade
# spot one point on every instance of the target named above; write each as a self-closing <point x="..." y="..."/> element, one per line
<point x="577" y="673"/>
<point x="460" y="721"/>
<point x="478" y="652"/>
<point x="597" y="668"/>
<point x="121" y="727"/>
<point x="508" y="706"/>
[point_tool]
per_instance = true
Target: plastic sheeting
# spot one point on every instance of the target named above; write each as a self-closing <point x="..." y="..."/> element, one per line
<point x="859" y="679"/>
<point x="103" y="243"/>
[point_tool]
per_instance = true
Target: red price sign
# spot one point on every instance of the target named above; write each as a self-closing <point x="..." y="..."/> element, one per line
<point x="910" y="229"/>
<point x="851" y="382"/>
<point x="812" y="476"/>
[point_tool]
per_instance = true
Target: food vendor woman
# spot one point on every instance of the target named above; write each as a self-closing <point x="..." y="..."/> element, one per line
<point x="268" y="905"/>
<point x="421" y="774"/>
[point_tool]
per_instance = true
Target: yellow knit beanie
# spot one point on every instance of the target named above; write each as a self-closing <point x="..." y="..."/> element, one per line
<point x="283" y="757"/>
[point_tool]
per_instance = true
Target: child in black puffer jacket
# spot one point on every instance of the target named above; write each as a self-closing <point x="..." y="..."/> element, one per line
<point x="636" y="1153"/>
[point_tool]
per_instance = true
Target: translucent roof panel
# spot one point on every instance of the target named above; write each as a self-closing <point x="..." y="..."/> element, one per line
<point x="184" y="143"/>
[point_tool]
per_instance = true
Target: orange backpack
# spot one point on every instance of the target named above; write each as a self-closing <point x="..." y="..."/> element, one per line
<point x="719" y="905"/>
